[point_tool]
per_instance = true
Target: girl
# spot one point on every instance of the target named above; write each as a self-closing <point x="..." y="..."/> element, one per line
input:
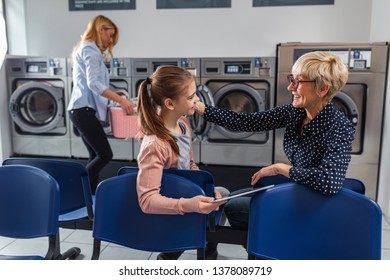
<point x="163" y="101"/>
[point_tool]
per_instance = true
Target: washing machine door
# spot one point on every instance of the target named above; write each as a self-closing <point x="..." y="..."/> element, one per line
<point x="37" y="107"/>
<point x="199" y="126"/>
<point x="240" y="98"/>
<point x="345" y="104"/>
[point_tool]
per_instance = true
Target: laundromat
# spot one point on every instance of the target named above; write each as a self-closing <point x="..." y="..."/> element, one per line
<point x="303" y="150"/>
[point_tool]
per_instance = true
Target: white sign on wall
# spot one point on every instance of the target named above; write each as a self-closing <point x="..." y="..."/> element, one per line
<point x="192" y="4"/>
<point x="92" y="5"/>
<point x="260" y="3"/>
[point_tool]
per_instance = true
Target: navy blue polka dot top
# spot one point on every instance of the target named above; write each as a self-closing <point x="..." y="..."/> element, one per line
<point x="319" y="154"/>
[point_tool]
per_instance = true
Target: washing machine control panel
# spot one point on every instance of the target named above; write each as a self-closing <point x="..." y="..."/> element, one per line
<point x="237" y="68"/>
<point x="253" y="67"/>
<point x="357" y="59"/>
<point x="36" y="67"/>
<point x="119" y="67"/>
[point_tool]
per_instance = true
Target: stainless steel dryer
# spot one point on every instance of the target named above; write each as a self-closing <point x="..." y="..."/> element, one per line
<point x="38" y="93"/>
<point x="120" y="78"/>
<point x="144" y="67"/>
<point x="241" y="85"/>
<point x="361" y="99"/>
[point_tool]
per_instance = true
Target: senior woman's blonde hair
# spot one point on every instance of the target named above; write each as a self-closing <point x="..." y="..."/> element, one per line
<point x="324" y="68"/>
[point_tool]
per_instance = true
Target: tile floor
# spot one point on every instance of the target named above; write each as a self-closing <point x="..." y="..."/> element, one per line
<point x="83" y="240"/>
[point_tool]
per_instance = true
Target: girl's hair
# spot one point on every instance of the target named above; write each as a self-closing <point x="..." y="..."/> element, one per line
<point x="166" y="82"/>
<point x="323" y="67"/>
<point x="92" y="33"/>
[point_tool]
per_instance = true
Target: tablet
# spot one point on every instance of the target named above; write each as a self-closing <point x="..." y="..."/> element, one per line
<point x="243" y="193"/>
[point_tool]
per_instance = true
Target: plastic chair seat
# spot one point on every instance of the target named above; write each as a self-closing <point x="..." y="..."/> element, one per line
<point x="17" y="258"/>
<point x="291" y="221"/>
<point x="120" y="220"/>
<point x="75" y="192"/>
<point x="29" y="208"/>
<point x="202" y="178"/>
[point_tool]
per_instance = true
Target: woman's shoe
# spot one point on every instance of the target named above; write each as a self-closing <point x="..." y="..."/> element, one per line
<point x="211" y="252"/>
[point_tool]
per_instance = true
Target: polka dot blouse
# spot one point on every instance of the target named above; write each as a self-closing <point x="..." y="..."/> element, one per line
<point x="319" y="155"/>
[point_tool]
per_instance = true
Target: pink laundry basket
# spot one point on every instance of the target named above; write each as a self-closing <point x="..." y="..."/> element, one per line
<point x="122" y="125"/>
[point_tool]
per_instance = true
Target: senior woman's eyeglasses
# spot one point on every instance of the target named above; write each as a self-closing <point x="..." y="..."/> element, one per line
<point x="295" y="82"/>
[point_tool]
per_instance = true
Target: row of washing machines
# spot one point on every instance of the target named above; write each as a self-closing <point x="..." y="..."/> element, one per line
<point x="39" y="90"/>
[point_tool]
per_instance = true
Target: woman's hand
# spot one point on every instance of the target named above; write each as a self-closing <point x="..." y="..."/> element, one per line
<point x="128" y="106"/>
<point x="271" y="170"/>
<point x="200" y="107"/>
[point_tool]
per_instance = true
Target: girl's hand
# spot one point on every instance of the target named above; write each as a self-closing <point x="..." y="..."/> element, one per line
<point x="206" y="205"/>
<point x="201" y="204"/>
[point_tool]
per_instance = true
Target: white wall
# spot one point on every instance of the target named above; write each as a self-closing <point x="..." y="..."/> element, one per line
<point x="51" y="30"/>
<point x="5" y="141"/>
<point x="379" y="32"/>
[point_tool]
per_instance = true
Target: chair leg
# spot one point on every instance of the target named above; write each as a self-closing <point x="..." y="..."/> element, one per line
<point x="201" y="254"/>
<point x="96" y="249"/>
<point x="228" y="235"/>
<point x="70" y="254"/>
<point x="52" y="251"/>
<point x="251" y="257"/>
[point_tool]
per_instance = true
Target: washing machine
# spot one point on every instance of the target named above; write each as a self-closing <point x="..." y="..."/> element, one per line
<point x="242" y="85"/>
<point x="38" y="92"/>
<point x="144" y="67"/>
<point x="120" y="79"/>
<point x="362" y="100"/>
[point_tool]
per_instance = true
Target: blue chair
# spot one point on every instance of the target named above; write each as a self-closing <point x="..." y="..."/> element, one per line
<point x="29" y="207"/>
<point x="75" y="191"/>
<point x="119" y="219"/>
<point x="202" y="178"/>
<point x="215" y="233"/>
<point x="349" y="183"/>
<point x="354" y="185"/>
<point x="291" y="221"/>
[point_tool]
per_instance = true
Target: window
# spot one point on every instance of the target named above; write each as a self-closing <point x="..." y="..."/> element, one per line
<point x="3" y="35"/>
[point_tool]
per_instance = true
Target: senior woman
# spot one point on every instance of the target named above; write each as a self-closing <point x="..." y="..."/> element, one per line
<point x="318" y="138"/>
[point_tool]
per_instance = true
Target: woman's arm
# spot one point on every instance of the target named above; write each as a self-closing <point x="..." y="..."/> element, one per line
<point x="95" y="80"/>
<point x="250" y="122"/>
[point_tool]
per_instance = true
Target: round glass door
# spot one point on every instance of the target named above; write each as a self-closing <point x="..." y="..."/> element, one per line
<point x="199" y="126"/>
<point x="239" y="98"/>
<point x="37" y="107"/>
<point x="345" y="104"/>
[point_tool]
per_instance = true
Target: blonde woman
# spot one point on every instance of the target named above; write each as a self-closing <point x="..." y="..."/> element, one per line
<point x="91" y="92"/>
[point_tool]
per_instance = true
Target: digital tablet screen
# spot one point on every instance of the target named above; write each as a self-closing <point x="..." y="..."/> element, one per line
<point x="243" y="193"/>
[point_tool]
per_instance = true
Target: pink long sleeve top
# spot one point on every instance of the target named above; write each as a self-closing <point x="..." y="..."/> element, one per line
<point x="154" y="156"/>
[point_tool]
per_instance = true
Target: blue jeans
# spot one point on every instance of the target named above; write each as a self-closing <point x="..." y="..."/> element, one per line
<point x="237" y="209"/>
